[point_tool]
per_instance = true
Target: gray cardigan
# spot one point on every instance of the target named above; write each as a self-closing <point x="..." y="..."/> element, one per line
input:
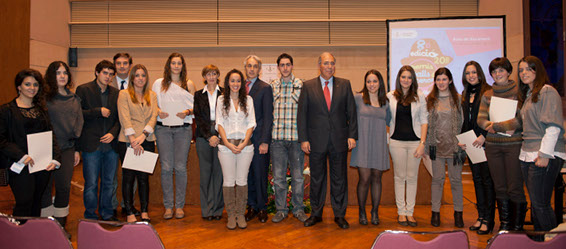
<point x="538" y="116"/>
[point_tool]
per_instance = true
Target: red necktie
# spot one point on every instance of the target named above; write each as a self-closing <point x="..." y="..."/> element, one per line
<point x="248" y="82"/>
<point x="327" y="94"/>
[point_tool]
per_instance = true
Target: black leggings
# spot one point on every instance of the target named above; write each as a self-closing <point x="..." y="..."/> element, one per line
<point x="128" y="178"/>
<point x="369" y="177"/>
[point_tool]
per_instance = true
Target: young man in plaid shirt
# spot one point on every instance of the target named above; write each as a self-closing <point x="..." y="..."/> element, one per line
<point x="285" y="147"/>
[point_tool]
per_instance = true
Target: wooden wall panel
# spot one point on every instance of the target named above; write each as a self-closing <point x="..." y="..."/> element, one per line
<point x="14" y="48"/>
<point x="162" y="35"/>
<point x="372" y="9"/>
<point x="230" y="10"/>
<point x="89" y="11"/>
<point x="273" y="34"/>
<point x="358" y="33"/>
<point x="132" y="11"/>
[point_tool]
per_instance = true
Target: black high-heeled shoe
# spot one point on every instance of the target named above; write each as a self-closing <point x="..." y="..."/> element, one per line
<point x="475" y="228"/>
<point x="363" y="218"/>
<point x="488" y="224"/>
<point x="374" y="218"/>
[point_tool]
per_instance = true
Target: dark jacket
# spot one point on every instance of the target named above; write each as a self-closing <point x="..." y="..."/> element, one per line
<point x="13" y="135"/>
<point x="263" y="106"/>
<point x="321" y="127"/>
<point x="94" y="122"/>
<point x="202" y="114"/>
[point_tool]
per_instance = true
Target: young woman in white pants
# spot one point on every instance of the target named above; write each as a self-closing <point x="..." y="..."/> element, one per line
<point x="235" y="122"/>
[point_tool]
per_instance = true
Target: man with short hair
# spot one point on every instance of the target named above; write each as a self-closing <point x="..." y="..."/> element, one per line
<point x="285" y="146"/>
<point x="261" y="138"/>
<point x="328" y="128"/>
<point x="123" y="63"/>
<point x="97" y="141"/>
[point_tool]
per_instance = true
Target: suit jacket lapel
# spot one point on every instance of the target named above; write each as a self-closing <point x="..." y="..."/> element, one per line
<point x="254" y="88"/>
<point x="335" y="87"/>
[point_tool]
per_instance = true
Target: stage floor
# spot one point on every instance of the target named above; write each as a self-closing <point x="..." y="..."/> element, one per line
<point x="194" y="232"/>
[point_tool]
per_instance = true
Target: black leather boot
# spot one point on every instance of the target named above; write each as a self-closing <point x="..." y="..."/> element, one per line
<point x="518" y="215"/>
<point x="63" y="222"/>
<point x="503" y="206"/>
<point x="435" y="219"/>
<point x="458" y="219"/>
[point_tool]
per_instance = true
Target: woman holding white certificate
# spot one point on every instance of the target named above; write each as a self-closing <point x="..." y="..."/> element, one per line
<point x="502" y="147"/>
<point x="235" y="122"/>
<point x="175" y="96"/>
<point x="542" y="152"/>
<point x="475" y="85"/>
<point x="137" y="110"/>
<point x="26" y="114"/>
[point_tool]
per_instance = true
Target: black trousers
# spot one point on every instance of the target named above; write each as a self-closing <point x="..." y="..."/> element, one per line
<point x="28" y="190"/>
<point x="128" y="178"/>
<point x="338" y="168"/>
<point x="485" y="193"/>
<point x="505" y="169"/>
<point x="257" y="180"/>
<point x="62" y="179"/>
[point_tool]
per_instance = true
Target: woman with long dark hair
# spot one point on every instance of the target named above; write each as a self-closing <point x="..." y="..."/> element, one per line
<point x="371" y="153"/>
<point x="502" y="148"/>
<point x="26" y="114"/>
<point x="542" y="152"/>
<point x="173" y="141"/>
<point x="407" y="131"/>
<point x="137" y="110"/>
<point x="235" y="123"/>
<point x="66" y="117"/>
<point x="475" y="86"/>
<point x="445" y="122"/>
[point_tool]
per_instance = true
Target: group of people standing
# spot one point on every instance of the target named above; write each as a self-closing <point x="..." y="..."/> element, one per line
<point x="246" y="124"/>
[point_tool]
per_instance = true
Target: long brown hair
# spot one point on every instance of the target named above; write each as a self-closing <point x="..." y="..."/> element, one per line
<point x="481" y="80"/>
<point x="381" y="98"/>
<point x="541" y="79"/>
<point x="432" y="97"/>
<point x="167" y="73"/>
<point x="412" y="95"/>
<point x="52" y="88"/>
<point x="131" y="87"/>
<point x="242" y="94"/>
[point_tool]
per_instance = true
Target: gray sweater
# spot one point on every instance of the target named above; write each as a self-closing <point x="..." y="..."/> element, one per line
<point x="538" y="116"/>
<point x="66" y="117"/>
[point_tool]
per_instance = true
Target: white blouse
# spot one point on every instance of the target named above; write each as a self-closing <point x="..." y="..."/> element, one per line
<point x="174" y="95"/>
<point x="236" y="123"/>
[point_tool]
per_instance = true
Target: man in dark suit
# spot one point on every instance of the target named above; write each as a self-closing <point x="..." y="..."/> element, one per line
<point x="261" y="138"/>
<point x="327" y="126"/>
<point x="98" y="141"/>
<point x="211" y="199"/>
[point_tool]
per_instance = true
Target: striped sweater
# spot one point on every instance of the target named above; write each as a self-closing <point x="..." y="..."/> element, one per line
<point x="509" y="91"/>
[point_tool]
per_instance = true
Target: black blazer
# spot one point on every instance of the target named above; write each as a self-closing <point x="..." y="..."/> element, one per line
<point x="263" y="106"/>
<point x="202" y="114"/>
<point x="13" y="136"/>
<point x="94" y="122"/>
<point x="319" y="126"/>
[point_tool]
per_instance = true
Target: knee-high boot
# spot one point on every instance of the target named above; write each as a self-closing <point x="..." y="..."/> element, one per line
<point x="519" y="210"/>
<point x="230" y="206"/>
<point x="503" y="206"/>
<point x="241" y="201"/>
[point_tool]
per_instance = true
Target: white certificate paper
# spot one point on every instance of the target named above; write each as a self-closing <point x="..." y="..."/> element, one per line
<point x="172" y="108"/>
<point x="501" y="109"/>
<point x="40" y="149"/>
<point x="144" y="162"/>
<point x="476" y="155"/>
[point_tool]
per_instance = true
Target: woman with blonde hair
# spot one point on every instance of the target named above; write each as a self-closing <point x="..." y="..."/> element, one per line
<point x="137" y="110"/>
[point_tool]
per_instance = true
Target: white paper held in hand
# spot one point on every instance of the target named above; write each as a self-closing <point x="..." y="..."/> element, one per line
<point x="145" y="162"/>
<point x="40" y="149"/>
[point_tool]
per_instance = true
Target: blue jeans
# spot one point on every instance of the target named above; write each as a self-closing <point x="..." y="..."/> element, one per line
<point x="173" y="145"/>
<point x="97" y="164"/>
<point x="540" y="184"/>
<point x="283" y="152"/>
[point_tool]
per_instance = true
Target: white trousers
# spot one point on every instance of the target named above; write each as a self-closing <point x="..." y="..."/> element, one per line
<point x="405" y="171"/>
<point x="235" y="167"/>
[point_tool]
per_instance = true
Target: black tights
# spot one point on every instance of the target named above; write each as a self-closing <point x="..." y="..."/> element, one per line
<point x="369" y="177"/>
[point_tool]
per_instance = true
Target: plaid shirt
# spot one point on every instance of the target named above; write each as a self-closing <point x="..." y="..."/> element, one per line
<point x="285" y="105"/>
